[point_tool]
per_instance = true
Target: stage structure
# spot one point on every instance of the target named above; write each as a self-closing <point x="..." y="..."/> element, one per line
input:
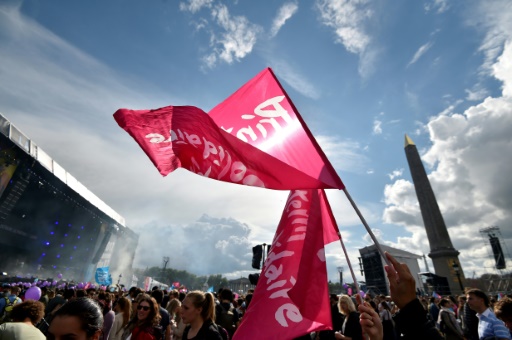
<point x="444" y="256"/>
<point x="498" y="251"/>
<point x="52" y="224"/>
<point x="372" y="267"/>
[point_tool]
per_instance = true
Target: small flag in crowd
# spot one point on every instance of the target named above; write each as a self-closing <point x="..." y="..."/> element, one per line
<point x="437" y="296"/>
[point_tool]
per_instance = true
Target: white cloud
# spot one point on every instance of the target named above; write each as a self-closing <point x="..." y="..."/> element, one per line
<point x="493" y="19"/>
<point x="285" y="12"/>
<point x="235" y="42"/>
<point x="396" y="173"/>
<point x="467" y="175"/>
<point x="293" y="78"/>
<point x="377" y="127"/>
<point x="440" y="6"/>
<point x="477" y="93"/>
<point x="348" y="19"/>
<point x="195" y="5"/>
<point x="449" y="110"/>
<point x="344" y="155"/>
<point x="65" y="105"/>
<point x="420" y="52"/>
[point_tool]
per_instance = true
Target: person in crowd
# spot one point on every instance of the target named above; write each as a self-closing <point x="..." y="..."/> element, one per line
<point x="411" y="320"/>
<point x="144" y="325"/>
<point x="350" y="329"/>
<point x="177" y="325"/>
<point x="388" y="325"/>
<point x="470" y="323"/>
<point x="198" y="311"/>
<point x="80" y="319"/>
<point x="460" y="315"/>
<point x="453" y="305"/>
<point x="165" y="322"/>
<point x="24" y="317"/>
<point x="488" y="325"/>
<point x="123" y="309"/>
<point x="337" y="320"/>
<point x="9" y="300"/>
<point x="59" y="300"/>
<point x="448" y="321"/>
<point x="248" y="299"/>
<point x="166" y="299"/>
<point x="503" y="311"/>
<point x="105" y="301"/>
<point x="225" y="314"/>
<point x="80" y="293"/>
<point x="44" y="296"/>
<point x="51" y="295"/>
<point x="433" y="308"/>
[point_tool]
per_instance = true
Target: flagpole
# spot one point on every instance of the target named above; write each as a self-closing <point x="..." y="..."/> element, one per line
<point x="374" y="239"/>
<point x="349" y="264"/>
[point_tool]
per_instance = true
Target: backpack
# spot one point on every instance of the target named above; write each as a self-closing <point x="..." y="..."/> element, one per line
<point x="6" y="316"/>
<point x="222" y="331"/>
<point x="224" y="318"/>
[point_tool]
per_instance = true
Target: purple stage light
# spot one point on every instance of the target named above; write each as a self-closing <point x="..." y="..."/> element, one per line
<point x="65" y="235"/>
<point x="56" y="222"/>
<point x="78" y="236"/>
<point x="51" y="233"/>
<point x="82" y="227"/>
<point x="74" y="247"/>
<point x="54" y="267"/>
<point x="62" y="246"/>
<point x="43" y="254"/>
<point x="58" y="256"/>
<point x="71" y="257"/>
<point x="47" y="243"/>
<point x="69" y="224"/>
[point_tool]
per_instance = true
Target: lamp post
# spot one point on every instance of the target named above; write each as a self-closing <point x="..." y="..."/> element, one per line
<point x="340" y="270"/>
<point x="456" y="269"/>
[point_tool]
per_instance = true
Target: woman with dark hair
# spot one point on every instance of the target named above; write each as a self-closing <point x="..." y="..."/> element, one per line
<point x="145" y="323"/>
<point x="123" y="309"/>
<point x="388" y="324"/>
<point x="448" y="322"/>
<point x="105" y="302"/>
<point x="198" y="311"/>
<point x="79" y="319"/>
<point x="25" y="316"/>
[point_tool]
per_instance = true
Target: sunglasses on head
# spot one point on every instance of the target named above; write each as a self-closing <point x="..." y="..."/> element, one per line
<point x="146" y="308"/>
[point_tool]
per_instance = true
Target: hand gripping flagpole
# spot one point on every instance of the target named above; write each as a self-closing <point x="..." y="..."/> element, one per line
<point x="349" y="264"/>
<point x="374" y="239"/>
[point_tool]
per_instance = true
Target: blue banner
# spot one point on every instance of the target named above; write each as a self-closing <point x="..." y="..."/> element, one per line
<point x="103" y="276"/>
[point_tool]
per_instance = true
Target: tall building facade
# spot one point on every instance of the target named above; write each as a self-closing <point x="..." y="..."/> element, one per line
<point x="443" y="254"/>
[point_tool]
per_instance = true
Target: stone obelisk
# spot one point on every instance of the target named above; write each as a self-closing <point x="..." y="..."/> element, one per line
<point x="442" y="253"/>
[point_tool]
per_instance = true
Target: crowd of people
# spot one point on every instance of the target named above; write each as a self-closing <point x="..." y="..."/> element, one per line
<point x="162" y="315"/>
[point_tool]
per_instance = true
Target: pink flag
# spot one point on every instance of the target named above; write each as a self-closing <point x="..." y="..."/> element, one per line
<point x="292" y="296"/>
<point x="186" y="137"/>
<point x="261" y="114"/>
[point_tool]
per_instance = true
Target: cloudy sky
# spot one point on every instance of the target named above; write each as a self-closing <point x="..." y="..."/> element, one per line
<point x="361" y="73"/>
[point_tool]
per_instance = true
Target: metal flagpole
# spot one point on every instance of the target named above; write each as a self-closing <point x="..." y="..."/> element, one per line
<point x="374" y="239"/>
<point x="349" y="264"/>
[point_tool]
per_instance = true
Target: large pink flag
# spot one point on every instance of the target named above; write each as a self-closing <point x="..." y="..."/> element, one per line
<point x="292" y="296"/>
<point x="186" y="137"/>
<point x="261" y="114"/>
